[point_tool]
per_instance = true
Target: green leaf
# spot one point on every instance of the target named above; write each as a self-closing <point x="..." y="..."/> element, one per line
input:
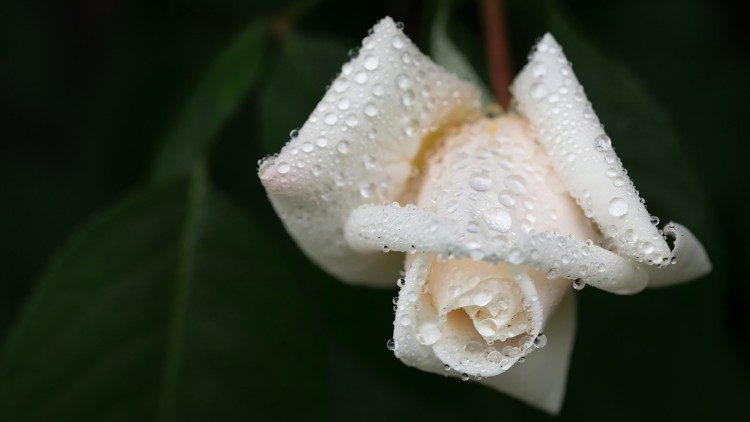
<point x="171" y="305"/>
<point x="446" y="54"/>
<point x="226" y="83"/>
<point x="307" y="64"/>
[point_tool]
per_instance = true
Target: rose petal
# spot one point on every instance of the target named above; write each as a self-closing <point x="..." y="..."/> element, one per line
<point x="549" y="94"/>
<point x="430" y="336"/>
<point x="490" y="194"/>
<point x="358" y="145"/>
<point x="455" y="348"/>
<point x="691" y="259"/>
<point x="541" y="380"/>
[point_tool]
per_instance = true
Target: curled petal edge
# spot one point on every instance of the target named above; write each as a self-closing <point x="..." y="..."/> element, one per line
<point x="409" y="229"/>
<point x="692" y="259"/>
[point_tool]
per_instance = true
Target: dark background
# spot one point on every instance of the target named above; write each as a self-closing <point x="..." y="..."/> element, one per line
<point x="145" y="315"/>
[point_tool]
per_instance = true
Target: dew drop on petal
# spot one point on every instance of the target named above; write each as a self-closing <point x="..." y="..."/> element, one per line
<point x="371" y="110"/>
<point x="371" y="62"/>
<point x="540" y="341"/>
<point x="506" y="198"/>
<point x="538" y="91"/>
<point x="397" y="42"/>
<point x="602" y="142"/>
<point x="480" y="182"/>
<point x="330" y="119"/>
<point x="618" y="207"/>
<point x="391" y="344"/>
<point x="342" y="147"/>
<point x="515" y="183"/>
<point x="498" y="219"/>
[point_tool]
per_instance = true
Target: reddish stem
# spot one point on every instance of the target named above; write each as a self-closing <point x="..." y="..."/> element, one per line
<point x="496" y="42"/>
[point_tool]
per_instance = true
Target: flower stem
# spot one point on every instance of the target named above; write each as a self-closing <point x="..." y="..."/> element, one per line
<point x="496" y="42"/>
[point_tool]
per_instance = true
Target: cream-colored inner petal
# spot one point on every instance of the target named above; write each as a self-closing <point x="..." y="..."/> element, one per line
<point x="485" y="294"/>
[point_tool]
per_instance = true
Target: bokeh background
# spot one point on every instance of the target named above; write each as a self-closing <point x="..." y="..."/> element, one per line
<point x="144" y="275"/>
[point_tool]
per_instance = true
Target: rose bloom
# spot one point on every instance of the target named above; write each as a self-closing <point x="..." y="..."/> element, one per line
<point x="507" y="214"/>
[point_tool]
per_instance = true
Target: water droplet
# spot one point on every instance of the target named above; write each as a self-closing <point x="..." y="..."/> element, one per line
<point x="540" y="341"/>
<point x="294" y="133"/>
<point x="447" y="367"/>
<point x="498" y="219"/>
<point x="480" y="182"/>
<point x="330" y="119"/>
<point x="482" y="297"/>
<point x="340" y="85"/>
<point x="378" y="90"/>
<point x="515" y="183"/>
<point x="539" y="70"/>
<point x="370" y="161"/>
<point x="343" y="104"/>
<point x="579" y="284"/>
<point x="391" y="344"/>
<point x="618" y="207"/>
<point x="410" y="128"/>
<point x="342" y="147"/>
<point x="494" y="356"/>
<point x="360" y="77"/>
<point x="602" y="142"/>
<point x="515" y="256"/>
<point x="538" y="91"/>
<point x="408" y="98"/>
<point x="351" y="120"/>
<point x="429" y="333"/>
<point x="307" y="147"/>
<point x="371" y="62"/>
<point x="397" y="42"/>
<point x="367" y="190"/>
<point x="403" y="81"/>
<point x="321" y="142"/>
<point x="282" y="168"/>
<point x="371" y="110"/>
<point x="506" y="198"/>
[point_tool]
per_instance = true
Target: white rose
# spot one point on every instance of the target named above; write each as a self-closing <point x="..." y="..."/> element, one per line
<point x="505" y="211"/>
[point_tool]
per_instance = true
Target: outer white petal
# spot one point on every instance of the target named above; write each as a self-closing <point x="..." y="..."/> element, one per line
<point x="491" y="194"/>
<point x="549" y="94"/>
<point x="541" y="379"/>
<point x="691" y="259"/>
<point x="357" y="147"/>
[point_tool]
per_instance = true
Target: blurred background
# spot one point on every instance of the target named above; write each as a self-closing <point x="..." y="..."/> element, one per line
<point x="145" y="276"/>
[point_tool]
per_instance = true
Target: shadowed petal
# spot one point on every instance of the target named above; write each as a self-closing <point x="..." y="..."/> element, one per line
<point x="357" y="147"/>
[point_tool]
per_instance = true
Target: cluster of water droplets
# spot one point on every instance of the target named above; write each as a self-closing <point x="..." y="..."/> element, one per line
<point x="358" y="144"/>
<point x="549" y="94"/>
